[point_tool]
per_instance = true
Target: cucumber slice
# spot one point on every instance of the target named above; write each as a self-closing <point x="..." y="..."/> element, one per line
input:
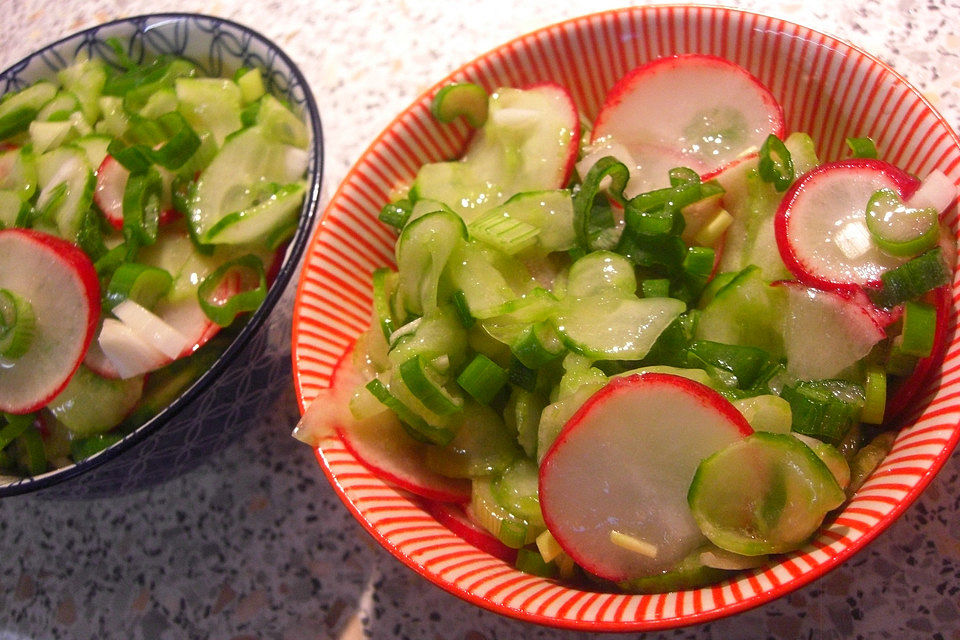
<point x="767" y="493"/>
<point x="516" y="490"/>
<point x="546" y="216"/>
<point x="94" y="146"/>
<point x="511" y="530"/>
<point x="630" y="328"/>
<point x="91" y="404"/>
<point x="239" y="175"/>
<point x="65" y="166"/>
<point x="11" y="208"/>
<point x="18" y="172"/>
<point x="428" y="387"/>
<point x="18" y="109"/>
<point x="423" y="250"/>
<point x="269" y="222"/>
<point x="527" y="144"/>
<point x="210" y="104"/>
<point x="281" y="124"/>
<point x="49" y="135"/>
<point x="59" y="108"/>
<point x="601" y="273"/>
<point x="85" y="79"/>
<point x="482" y="445"/>
<point x="488" y="279"/>
<point x="746" y="311"/>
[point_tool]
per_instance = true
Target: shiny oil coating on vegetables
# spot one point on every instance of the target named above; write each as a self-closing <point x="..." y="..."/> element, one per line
<point x="142" y="209"/>
<point x="518" y="305"/>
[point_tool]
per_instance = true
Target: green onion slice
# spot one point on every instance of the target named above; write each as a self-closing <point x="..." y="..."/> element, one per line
<point x="414" y="423"/>
<point x="144" y="284"/>
<point x="585" y="226"/>
<point x="235" y="287"/>
<point x="862" y="147"/>
<point x="17" y="325"/>
<point x="898" y="229"/>
<point x="461" y="99"/>
<point x="919" y="329"/>
<point x="425" y="384"/>
<point x="14" y="428"/>
<point x="396" y="213"/>
<point x="141" y="207"/>
<point x="776" y="165"/>
<point x="911" y="280"/>
<point x="482" y="378"/>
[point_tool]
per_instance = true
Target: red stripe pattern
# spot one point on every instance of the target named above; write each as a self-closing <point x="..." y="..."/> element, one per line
<point x="828" y="89"/>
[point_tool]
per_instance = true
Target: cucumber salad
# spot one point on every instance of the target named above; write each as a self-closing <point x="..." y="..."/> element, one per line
<point x="646" y="350"/>
<point x="143" y="208"/>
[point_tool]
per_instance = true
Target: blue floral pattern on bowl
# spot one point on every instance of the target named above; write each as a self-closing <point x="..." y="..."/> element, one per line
<point x="243" y="382"/>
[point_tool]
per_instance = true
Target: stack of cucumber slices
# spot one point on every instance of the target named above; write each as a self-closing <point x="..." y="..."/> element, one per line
<point x="650" y="353"/>
<point x="143" y="207"/>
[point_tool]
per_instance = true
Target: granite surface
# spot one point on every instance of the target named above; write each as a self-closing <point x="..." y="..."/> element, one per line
<point x="254" y="544"/>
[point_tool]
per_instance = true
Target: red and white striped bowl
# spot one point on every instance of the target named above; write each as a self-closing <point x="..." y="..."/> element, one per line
<point x="827" y="87"/>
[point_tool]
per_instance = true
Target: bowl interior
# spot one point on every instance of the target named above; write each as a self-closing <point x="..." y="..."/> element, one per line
<point x="828" y="89"/>
<point x="219" y="47"/>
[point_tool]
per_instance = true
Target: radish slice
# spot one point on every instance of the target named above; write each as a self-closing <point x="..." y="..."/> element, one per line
<point x="661" y="106"/>
<point x="621" y="467"/>
<point x="456" y="518"/>
<point x="379" y="443"/>
<point x="108" y="193"/>
<point x="936" y="191"/>
<point x="98" y="362"/>
<point x="152" y="329"/>
<point x="60" y="283"/>
<point x="129" y="353"/>
<point x="821" y="227"/>
<point x="825" y="332"/>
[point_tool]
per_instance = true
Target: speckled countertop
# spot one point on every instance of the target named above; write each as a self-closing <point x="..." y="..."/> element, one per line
<point x="254" y="544"/>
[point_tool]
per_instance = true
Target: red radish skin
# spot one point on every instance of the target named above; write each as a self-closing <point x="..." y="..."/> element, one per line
<point x="659" y="104"/>
<point x="455" y="517"/>
<point x="60" y="282"/>
<point x="108" y="194"/>
<point x="379" y="443"/>
<point x="829" y="197"/>
<point x="624" y="462"/>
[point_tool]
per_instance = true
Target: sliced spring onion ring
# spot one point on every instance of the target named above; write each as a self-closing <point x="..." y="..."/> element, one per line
<point x="584" y="225"/>
<point x="482" y="378"/>
<point x="235" y="287"/>
<point x="426" y="386"/>
<point x="413" y="422"/>
<point x="776" y="165"/>
<point x="141" y="207"/>
<point x="17" y="325"/>
<point x="875" y="395"/>
<point x="461" y="99"/>
<point x="862" y="147"/>
<point x="911" y="280"/>
<point x="144" y="284"/>
<point x="16" y="425"/>
<point x="898" y="229"/>
<point x="919" y="328"/>
<point x="396" y="213"/>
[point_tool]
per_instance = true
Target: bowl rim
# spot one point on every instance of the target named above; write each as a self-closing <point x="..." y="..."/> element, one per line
<point x="293" y="253"/>
<point x="636" y="625"/>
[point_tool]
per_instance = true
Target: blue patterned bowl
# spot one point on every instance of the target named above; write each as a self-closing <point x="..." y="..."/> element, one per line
<point x="242" y="383"/>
